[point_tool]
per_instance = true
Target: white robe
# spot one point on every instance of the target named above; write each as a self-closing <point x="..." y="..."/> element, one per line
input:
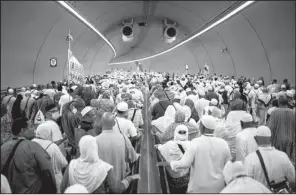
<point x="207" y="157"/>
<point x="245" y="185"/>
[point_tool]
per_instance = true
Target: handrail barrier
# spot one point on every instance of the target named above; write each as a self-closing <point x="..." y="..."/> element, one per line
<point x="162" y="170"/>
<point x="149" y="172"/>
<point x="132" y="189"/>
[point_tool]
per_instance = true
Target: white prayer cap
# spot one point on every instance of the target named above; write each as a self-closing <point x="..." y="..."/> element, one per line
<point x="76" y="188"/>
<point x="74" y="87"/>
<point x="214" y="102"/>
<point x="232" y="170"/>
<point x="23" y="89"/>
<point x="122" y="106"/>
<point x="263" y="131"/>
<point x="27" y="92"/>
<point x="34" y="85"/>
<point x="10" y="90"/>
<point x="208" y="121"/>
<point x="247" y="118"/>
<point x="256" y="86"/>
<point x="236" y="86"/>
<point x="86" y="110"/>
<point x="201" y="93"/>
<point x="289" y="93"/>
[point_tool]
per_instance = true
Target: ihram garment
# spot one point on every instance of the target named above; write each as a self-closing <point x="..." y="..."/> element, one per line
<point x="207" y="157"/>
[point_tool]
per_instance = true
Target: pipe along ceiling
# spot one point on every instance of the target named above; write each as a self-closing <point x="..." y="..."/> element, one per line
<point x="257" y="41"/>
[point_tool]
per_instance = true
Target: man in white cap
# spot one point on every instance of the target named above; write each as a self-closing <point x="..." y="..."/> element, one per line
<point x="115" y="148"/>
<point x="252" y="96"/>
<point x="277" y="164"/>
<point x="213" y="102"/>
<point x="123" y="125"/>
<point x="34" y="89"/>
<point x="85" y="127"/>
<point x="65" y="99"/>
<point x="237" y="180"/>
<point x="22" y="92"/>
<point x="245" y="142"/>
<point x="207" y="156"/>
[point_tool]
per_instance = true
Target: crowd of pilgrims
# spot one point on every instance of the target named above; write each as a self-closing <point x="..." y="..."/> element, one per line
<point x="217" y="134"/>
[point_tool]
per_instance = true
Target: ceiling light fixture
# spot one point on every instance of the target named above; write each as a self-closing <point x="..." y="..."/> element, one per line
<point x="88" y="24"/>
<point x="219" y="21"/>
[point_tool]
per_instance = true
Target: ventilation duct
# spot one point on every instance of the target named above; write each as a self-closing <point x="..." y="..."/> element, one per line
<point x="170" y="31"/>
<point x="127" y="30"/>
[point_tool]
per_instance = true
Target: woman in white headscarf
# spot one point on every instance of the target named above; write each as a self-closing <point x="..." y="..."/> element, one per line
<point x="233" y="127"/>
<point x="163" y="122"/>
<point x="263" y="104"/>
<point x="58" y="161"/>
<point x="5" y="187"/>
<point x="76" y="188"/>
<point x="237" y="180"/>
<point x="187" y="111"/>
<point x="172" y="151"/>
<point x="90" y="171"/>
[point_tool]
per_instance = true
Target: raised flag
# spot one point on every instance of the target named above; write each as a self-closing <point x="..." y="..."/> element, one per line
<point x="69" y="37"/>
<point x="76" y="70"/>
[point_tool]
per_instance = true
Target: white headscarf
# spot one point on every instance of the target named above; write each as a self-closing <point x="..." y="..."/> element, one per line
<point x="163" y="122"/>
<point x="178" y="136"/>
<point x="88" y="170"/>
<point x="76" y="188"/>
<point x="5" y="188"/>
<point x="49" y="130"/>
<point x="232" y="170"/>
<point x="187" y="111"/>
<point x="171" y="151"/>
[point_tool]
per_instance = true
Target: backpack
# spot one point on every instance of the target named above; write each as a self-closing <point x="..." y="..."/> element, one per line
<point x="39" y="118"/>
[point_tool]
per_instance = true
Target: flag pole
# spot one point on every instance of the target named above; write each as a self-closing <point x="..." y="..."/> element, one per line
<point x="69" y="49"/>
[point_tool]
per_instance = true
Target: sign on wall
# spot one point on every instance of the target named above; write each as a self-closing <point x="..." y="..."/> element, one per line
<point x="53" y="62"/>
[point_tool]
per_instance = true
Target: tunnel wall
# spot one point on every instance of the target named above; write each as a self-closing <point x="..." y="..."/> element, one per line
<point x="29" y="41"/>
<point x="260" y="42"/>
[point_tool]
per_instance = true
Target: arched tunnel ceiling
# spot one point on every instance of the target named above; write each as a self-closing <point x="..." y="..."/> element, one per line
<point x="260" y="40"/>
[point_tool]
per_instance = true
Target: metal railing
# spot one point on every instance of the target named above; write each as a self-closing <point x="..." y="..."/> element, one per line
<point x="132" y="189"/>
<point x="162" y="170"/>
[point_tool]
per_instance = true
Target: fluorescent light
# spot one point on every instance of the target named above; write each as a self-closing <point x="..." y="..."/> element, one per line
<point x="80" y="17"/>
<point x="235" y="11"/>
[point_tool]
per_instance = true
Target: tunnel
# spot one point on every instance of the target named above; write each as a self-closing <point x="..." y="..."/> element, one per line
<point x="258" y="41"/>
<point x="41" y="41"/>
